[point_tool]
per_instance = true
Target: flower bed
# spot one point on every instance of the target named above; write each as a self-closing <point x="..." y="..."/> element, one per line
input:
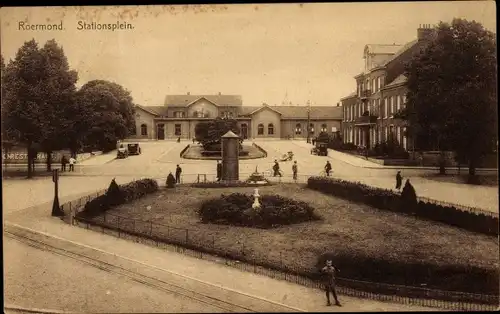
<point x="388" y="200"/>
<point x="117" y="195"/>
<point x="274" y="211"/>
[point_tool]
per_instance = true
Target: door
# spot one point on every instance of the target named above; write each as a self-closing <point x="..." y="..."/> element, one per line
<point x="161" y="131"/>
<point x="244" y="131"/>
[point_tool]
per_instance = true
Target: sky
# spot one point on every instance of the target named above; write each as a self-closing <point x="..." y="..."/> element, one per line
<point x="266" y="53"/>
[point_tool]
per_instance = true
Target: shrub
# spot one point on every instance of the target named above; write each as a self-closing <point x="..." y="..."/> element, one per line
<point x="118" y="194"/>
<point x="406" y="203"/>
<point x="236" y="209"/>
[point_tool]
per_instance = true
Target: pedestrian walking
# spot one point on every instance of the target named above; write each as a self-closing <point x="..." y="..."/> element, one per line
<point x="178" y="171"/>
<point x="294" y="169"/>
<point x="329" y="272"/>
<point x="328" y="168"/>
<point x="179" y="139"/>
<point x="219" y="170"/>
<point x="276" y="169"/>
<point x="64" y="162"/>
<point x="193" y="140"/>
<point x="72" y="162"/>
<point x="399" y="181"/>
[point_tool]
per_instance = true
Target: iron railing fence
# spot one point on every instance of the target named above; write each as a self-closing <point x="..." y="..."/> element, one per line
<point x="195" y="243"/>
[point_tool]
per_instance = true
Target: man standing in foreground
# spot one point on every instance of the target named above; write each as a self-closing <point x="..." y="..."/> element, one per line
<point x="294" y="169"/>
<point x="178" y="172"/>
<point x="329" y="272"/>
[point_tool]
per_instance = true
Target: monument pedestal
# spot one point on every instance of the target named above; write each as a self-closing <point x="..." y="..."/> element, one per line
<point x="230" y="157"/>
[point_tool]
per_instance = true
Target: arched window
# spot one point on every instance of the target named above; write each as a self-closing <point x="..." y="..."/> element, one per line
<point x="260" y="129"/>
<point x="298" y="129"/>
<point x="144" y="130"/>
<point x="270" y="129"/>
<point x="323" y="128"/>
<point x="311" y="128"/>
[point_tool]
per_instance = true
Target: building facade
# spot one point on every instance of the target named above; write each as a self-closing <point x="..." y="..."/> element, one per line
<point x="178" y="117"/>
<point x="370" y="113"/>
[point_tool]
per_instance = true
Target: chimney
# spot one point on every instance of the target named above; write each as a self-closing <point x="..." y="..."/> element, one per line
<point x="189" y="93"/>
<point x="425" y="32"/>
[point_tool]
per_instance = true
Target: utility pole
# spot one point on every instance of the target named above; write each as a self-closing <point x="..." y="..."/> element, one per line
<point x="308" y="120"/>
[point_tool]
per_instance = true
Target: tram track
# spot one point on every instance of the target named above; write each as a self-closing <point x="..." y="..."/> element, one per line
<point x="258" y="305"/>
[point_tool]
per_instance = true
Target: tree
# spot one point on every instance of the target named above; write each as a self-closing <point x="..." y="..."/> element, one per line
<point x="59" y="95"/>
<point x="107" y="113"/>
<point x="452" y="92"/>
<point x="22" y="99"/>
<point x="209" y="133"/>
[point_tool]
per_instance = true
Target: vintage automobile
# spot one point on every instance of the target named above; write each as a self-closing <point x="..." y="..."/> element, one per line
<point x="321" y="149"/>
<point x="134" y="149"/>
<point x="122" y="152"/>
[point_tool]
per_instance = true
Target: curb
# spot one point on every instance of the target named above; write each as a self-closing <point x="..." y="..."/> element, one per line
<point x="33" y="310"/>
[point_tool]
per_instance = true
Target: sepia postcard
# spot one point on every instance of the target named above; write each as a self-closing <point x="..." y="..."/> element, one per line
<point x="284" y="157"/>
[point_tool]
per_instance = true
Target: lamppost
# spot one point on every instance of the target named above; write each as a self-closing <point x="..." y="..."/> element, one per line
<point x="308" y="120"/>
<point x="56" y="209"/>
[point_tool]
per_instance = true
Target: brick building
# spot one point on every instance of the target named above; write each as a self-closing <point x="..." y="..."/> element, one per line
<point x="369" y="112"/>
<point x="180" y="114"/>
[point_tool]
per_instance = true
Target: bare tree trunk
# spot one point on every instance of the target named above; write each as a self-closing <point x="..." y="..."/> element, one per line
<point x="473" y="179"/>
<point x="49" y="160"/>
<point x="30" y="161"/>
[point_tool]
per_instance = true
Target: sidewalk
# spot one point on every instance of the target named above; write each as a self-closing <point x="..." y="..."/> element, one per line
<point x="99" y="159"/>
<point x="206" y="272"/>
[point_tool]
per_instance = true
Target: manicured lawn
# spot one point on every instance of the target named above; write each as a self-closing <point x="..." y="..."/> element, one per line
<point x="194" y="152"/>
<point x="362" y="237"/>
<point x="484" y="179"/>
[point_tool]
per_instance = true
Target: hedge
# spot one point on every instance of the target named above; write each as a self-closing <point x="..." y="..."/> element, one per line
<point x="236" y="209"/>
<point x="117" y="195"/>
<point x="388" y="200"/>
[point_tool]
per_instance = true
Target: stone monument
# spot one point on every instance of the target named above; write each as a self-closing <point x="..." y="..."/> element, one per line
<point x="230" y="156"/>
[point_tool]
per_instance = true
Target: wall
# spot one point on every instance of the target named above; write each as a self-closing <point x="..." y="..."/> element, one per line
<point x="143" y="117"/>
<point x="382" y="122"/>
<point x="205" y="106"/>
<point x="266" y="116"/>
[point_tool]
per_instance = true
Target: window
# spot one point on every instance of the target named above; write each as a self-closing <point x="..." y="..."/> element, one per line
<point x="323" y="128"/>
<point x="398" y="107"/>
<point x="378" y="83"/>
<point x="179" y="114"/>
<point x="403" y="99"/>
<point x="398" y="134"/>
<point x="386" y="106"/>
<point x="260" y="129"/>
<point x="270" y="129"/>
<point x="144" y="130"/>
<point x="334" y="129"/>
<point x="386" y="133"/>
<point x="311" y="127"/>
<point x="393" y="101"/>
<point x="298" y="129"/>
<point x="178" y="130"/>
